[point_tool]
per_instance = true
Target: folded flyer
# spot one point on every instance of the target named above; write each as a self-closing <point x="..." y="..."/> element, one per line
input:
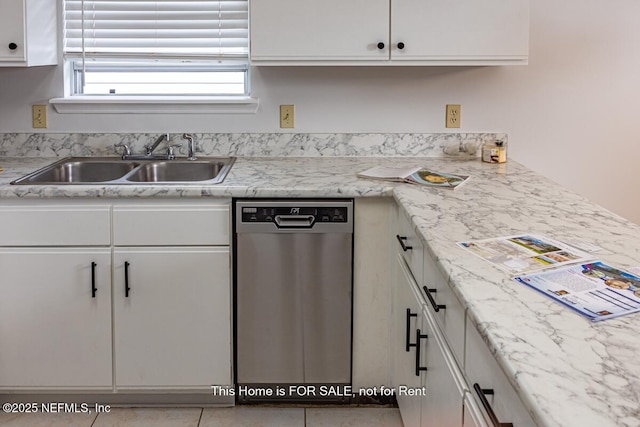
<point x="596" y="290"/>
<point x="415" y="175"/>
<point x="523" y="253"/>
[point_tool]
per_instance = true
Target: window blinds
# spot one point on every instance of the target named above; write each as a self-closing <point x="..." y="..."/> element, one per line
<point x="198" y="29"/>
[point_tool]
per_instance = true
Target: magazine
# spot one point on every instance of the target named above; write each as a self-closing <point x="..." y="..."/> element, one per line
<point x="523" y="253"/>
<point x="416" y="175"/>
<point x="595" y="290"/>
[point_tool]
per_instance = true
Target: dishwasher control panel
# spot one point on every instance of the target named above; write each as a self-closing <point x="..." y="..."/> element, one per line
<point x="270" y="213"/>
<point x="293" y="215"/>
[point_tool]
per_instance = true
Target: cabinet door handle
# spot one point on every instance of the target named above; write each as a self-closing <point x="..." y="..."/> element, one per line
<point x="13" y="46"/>
<point x="93" y="280"/>
<point x="419" y="368"/>
<point x="485" y="403"/>
<point x="400" y="45"/>
<point x="401" y="240"/>
<point x="436" y="307"/>
<point x="408" y="333"/>
<point x="126" y="279"/>
<point x="380" y="45"/>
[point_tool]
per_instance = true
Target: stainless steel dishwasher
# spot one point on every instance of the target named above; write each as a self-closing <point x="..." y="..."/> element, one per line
<point x="293" y="299"/>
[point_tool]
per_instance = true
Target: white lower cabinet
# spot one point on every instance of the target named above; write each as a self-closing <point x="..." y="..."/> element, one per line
<point x="68" y="324"/>
<point x="171" y="292"/>
<point x="442" y="404"/>
<point x="487" y="382"/>
<point x="55" y="318"/>
<point x="171" y="311"/>
<point x="407" y="319"/>
<point x="435" y="347"/>
<point x="473" y="415"/>
<point x="444" y="307"/>
<point x="422" y="364"/>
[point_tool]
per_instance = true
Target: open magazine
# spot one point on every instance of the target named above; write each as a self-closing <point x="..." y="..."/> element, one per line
<point x="416" y="175"/>
<point x="572" y="277"/>
<point x="524" y="253"/>
<point x="596" y="290"/>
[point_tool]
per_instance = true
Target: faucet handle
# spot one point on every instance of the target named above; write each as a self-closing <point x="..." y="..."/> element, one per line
<point x="170" y="153"/>
<point x="126" y="152"/>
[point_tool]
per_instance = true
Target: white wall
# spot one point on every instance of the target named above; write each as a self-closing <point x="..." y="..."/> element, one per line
<point x="570" y="114"/>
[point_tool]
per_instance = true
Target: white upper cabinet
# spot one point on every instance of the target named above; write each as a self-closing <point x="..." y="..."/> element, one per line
<point x="460" y="31"/>
<point x="389" y="32"/>
<point x="28" y="33"/>
<point x="319" y="30"/>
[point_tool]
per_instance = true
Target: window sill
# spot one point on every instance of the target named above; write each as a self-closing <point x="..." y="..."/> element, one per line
<point x="155" y="105"/>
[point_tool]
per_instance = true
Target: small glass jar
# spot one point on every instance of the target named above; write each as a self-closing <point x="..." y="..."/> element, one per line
<point x="495" y="152"/>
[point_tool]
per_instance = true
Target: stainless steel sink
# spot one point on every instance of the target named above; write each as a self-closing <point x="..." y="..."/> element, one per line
<point x="181" y="171"/>
<point x="108" y="170"/>
<point x="79" y="171"/>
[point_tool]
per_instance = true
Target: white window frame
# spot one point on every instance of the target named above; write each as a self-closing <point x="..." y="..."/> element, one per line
<point x="191" y="104"/>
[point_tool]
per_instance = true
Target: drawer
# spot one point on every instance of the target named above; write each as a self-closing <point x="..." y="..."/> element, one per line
<point x="55" y="225"/>
<point x="444" y="306"/>
<point x="482" y="369"/>
<point x="167" y="225"/>
<point x="409" y="246"/>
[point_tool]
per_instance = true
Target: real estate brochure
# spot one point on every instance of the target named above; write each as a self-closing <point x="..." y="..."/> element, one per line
<point x="524" y="253"/>
<point x="415" y="175"/>
<point x="595" y="290"/>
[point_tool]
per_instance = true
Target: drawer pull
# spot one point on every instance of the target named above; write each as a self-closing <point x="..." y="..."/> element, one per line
<point x="126" y="279"/>
<point x="401" y="240"/>
<point x="419" y="368"/>
<point x="93" y="280"/>
<point x="436" y="307"/>
<point x="485" y="403"/>
<point x="408" y="334"/>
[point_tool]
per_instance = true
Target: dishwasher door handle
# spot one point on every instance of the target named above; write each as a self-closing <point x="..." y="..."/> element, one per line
<point x="294" y="221"/>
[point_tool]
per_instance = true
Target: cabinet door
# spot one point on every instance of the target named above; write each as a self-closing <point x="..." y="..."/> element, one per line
<point x="482" y="369"/>
<point x="442" y="405"/>
<point x="12" y="30"/>
<point x="472" y="416"/>
<point x="407" y="319"/>
<point x="454" y="30"/>
<point x="319" y="30"/>
<point x="54" y="332"/>
<point x="172" y="327"/>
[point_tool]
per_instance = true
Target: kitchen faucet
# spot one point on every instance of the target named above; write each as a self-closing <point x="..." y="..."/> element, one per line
<point x="149" y="148"/>
<point x="191" y="144"/>
<point x="148" y="154"/>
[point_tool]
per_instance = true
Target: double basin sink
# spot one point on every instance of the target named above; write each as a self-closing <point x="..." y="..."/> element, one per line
<point x="112" y="171"/>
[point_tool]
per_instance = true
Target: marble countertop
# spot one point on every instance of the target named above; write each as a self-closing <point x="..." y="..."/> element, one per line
<point x="249" y="177"/>
<point x="568" y="371"/>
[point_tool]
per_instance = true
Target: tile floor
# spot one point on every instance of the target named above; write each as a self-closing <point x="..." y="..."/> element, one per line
<point x="239" y="416"/>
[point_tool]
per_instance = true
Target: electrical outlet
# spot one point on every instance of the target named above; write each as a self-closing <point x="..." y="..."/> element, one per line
<point x="452" y="119"/>
<point x="287" y="116"/>
<point x="39" y="116"/>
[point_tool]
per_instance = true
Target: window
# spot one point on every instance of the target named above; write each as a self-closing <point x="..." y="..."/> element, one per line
<point x="156" y="47"/>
